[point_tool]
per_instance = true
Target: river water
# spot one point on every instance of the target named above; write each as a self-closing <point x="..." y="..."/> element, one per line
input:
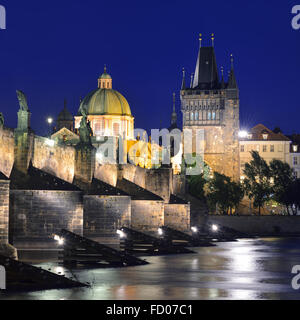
<point x="246" y="269"/>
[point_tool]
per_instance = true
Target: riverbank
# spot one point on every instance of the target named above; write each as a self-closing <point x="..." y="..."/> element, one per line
<point x="262" y="226"/>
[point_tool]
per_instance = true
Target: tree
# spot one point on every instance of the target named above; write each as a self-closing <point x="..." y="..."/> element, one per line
<point x="196" y="186"/>
<point x="224" y="193"/>
<point x="257" y="182"/>
<point x="282" y="175"/>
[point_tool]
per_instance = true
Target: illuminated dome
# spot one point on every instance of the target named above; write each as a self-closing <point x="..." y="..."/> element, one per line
<point x="107" y="111"/>
<point x="106" y="102"/>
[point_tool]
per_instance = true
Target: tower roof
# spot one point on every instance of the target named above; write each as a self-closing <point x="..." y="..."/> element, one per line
<point x="206" y="72"/>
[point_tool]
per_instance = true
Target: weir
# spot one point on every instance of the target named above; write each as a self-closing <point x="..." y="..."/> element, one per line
<point x="177" y="237"/>
<point x="136" y="242"/>
<point x="80" y="250"/>
<point x="21" y="276"/>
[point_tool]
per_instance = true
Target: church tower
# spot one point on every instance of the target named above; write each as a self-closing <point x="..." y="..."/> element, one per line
<point x="212" y="105"/>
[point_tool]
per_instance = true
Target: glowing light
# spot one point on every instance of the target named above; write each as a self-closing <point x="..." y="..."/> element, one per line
<point x="59" y="239"/>
<point x="194" y="229"/>
<point x="50" y="120"/>
<point x="160" y="231"/>
<point x="214" y="228"/>
<point x="50" y="142"/>
<point x="121" y="233"/>
<point x="243" y="134"/>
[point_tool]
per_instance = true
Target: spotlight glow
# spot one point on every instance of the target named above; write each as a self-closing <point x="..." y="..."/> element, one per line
<point x="59" y="239"/>
<point x="194" y="229"/>
<point x="214" y="228"/>
<point x="121" y="233"/>
<point x="160" y="231"/>
<point x="50" y="120"/>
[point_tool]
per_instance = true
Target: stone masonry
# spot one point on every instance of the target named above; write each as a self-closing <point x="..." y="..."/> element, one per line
<point x="4" y="208"/>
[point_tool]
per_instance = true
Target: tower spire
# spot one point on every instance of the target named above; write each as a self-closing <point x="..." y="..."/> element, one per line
<point x="174" y="100"/>
<point x="183" y="80"/>
<point x="232" y="84"/>
<point x="222" y="80"/>
<point x="212" y="39"/>
<point x="192" y="79"/>
<point x="200" y="39"/>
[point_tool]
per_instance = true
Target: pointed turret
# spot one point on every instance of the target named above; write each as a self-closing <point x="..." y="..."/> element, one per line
<point x="232" y="84"/>
<point x="222" y="80"/>
<point x="174" y="114"/>
<point x="206" y="72"/>
<point x="183" y="80"/>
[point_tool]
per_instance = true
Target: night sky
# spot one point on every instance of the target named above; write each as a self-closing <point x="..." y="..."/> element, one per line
<point x="56" y="50"/>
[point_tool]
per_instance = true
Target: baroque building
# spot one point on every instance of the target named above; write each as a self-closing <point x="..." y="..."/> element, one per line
<point x="211" y="106"/>
<point x="268" y="144"/>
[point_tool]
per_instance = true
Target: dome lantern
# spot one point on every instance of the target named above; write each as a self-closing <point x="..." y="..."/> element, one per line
<point x="105" y="81"/>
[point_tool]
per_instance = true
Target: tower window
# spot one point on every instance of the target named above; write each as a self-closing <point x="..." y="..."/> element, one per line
<point x="214" y="115"/>
<point x="264" y="148"/>
<point x="196" y="115"/>
<point x="242" y="148"/>
<point x="192" y="116"/>
<point x="209" y="115"/>
<point x="272" y="148"/>
<point x="295" y="161"/>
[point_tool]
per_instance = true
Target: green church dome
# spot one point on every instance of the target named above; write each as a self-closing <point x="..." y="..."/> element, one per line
<point x="105" y="102"/>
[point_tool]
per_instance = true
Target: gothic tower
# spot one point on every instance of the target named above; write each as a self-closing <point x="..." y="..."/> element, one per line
<point x="212" y="105"/>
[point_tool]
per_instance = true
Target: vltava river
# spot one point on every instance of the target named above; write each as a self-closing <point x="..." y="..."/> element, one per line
<point x="247" y="269"/>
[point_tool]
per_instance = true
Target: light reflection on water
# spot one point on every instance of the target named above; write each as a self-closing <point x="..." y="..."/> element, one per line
<point x="247" y="269"/>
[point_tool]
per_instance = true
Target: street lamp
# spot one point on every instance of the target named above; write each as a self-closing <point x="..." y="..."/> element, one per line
<point x="243" y="134"/>
<point x="194" y="229"/>
<point x="160" y="231"/>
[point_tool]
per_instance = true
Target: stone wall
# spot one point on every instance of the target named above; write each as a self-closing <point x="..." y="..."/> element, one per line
<point x="258" y="225"/>
<point x="177" y="216"/>
<point x="4" y="210"/>
<point x="103" y="215"/>
<point x="58" y="160"/>
<point x="6" y="150"/>
<point x="147" y="215"/>
<point x="36" y="215"/>
<point x="160" y="182"/>
<point x="135" y="174"/>
<point x="107" y="173"/>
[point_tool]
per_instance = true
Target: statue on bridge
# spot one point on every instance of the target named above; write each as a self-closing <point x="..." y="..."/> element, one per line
<point x="22" y="100"/>
<point x="1" y="120"/>
<point x="85" y="131"/>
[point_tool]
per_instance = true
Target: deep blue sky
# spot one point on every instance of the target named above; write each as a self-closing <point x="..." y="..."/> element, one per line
<point x="54" y="50"/>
